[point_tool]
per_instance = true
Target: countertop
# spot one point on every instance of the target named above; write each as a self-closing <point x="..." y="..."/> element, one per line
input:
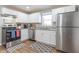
<point x="41" y="28"/>
<point x="50" y="29"/>
<point x="47" y="29"/>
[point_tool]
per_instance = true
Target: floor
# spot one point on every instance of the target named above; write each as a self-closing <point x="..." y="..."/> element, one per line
<point x="27" y="43"/>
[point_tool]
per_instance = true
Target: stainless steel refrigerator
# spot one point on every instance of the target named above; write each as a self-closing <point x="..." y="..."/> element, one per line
<point x="67" y="33"/>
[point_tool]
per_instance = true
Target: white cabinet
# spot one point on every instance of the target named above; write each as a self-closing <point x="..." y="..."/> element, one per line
<point x="35" y="18"/>
<point x="42" y="36"/>
<point x="46" y="36"/>
<point x="9" y="19"/>
<point x="53" y="37"/>
<point x="1" y="23"/>
<point x="61" y="10"/>
<point x="29" y="18"/>
<point x="24" y="34"/>
<point x="64" y="9"/>
<point x="9" y="11"/>
<point x="22" y="17"/>
<point x="38" y="35"/>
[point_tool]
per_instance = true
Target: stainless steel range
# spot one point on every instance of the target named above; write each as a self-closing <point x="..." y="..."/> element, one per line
<point x="10" y="36"/>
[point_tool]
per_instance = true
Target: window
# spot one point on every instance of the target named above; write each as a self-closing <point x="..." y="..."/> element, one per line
<point x="47" y="19"/>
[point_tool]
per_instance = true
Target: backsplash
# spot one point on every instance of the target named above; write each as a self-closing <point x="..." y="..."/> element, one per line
<point x="40" y="26"/>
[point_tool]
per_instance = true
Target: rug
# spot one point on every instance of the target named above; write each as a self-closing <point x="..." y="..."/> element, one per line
<point x="13" y="49"/>
<point x="42" y="48"/>
<point x="36" y="47"/>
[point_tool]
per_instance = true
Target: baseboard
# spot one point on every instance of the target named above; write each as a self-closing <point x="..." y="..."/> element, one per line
<point x="28" y="40"/>
<point x="32" y="40"/>
<point x="25" y="40"/>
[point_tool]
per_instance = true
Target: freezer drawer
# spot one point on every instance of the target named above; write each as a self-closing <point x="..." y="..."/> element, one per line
<point x="64" y="39"/>
<point x="67" y="39"/>
<point x="75" y="40"/>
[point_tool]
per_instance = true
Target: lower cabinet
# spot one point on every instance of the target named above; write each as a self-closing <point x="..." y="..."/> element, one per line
<point x="53" y="37"/>
<point x="24" y="34"/>
<point x="46" y="36"/>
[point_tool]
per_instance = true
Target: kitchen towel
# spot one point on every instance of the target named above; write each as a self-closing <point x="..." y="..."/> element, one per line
<point x="13" y="34"/>
<point x="17" y="33"/>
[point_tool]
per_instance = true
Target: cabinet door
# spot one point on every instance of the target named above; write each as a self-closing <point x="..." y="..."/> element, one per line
<point x="35" y="18"/>
<point x="43" y="36"/>
<point x="38" y="35"/>
<point x="46" y="36"/>
<point x="24" y="34"/>
<point x="49" y="37"/>
<point x="64" y="9"/>
<point x="22" y="17"/>
<point x="53" y="38"/>
<point x="0" y="36"/>
<point x="8" y="20"/>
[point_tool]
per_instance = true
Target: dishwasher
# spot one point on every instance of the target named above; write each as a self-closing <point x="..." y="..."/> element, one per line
<point x="31" y="33"/>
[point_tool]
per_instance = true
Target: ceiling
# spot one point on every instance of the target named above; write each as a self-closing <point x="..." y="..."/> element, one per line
<point x="33" y="8"/>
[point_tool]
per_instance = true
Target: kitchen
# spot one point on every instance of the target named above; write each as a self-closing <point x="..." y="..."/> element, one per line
<point x="37" y="24"/>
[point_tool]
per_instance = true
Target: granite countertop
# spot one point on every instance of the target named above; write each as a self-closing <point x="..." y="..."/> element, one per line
<point x="46" y="29"/>
<point x="51" y="29"/>
<point x="42" y="28"/>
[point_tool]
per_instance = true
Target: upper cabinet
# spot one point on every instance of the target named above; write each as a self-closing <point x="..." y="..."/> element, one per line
<point x="20" y="17"/>
<point x="1" y="21"/>
<point x="23" y="17"/>
<point x="35" y="18"/>
<point x="64" y="9"/>
<point x="61" y="10"/>
<point x="8" y="15"/>
<point x="7" y="11"/>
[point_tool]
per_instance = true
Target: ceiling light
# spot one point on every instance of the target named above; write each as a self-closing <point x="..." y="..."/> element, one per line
<point x="28" y="7"/>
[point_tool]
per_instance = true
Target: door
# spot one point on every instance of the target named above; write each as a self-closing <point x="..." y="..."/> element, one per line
<point x="46" y="36"/>
<point x="39" y="35"/>
<point x="43" y="36"/>
<point x="75" y="40"/>
<point x="35" y="18"/>
<point x="68" y="39"/>
<point x="53" y="37"/>
<point x="70" y="19"/>
<point x="64" y="39"/>
<point x="24" y="34"/>
<point x="65" y="19"/>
